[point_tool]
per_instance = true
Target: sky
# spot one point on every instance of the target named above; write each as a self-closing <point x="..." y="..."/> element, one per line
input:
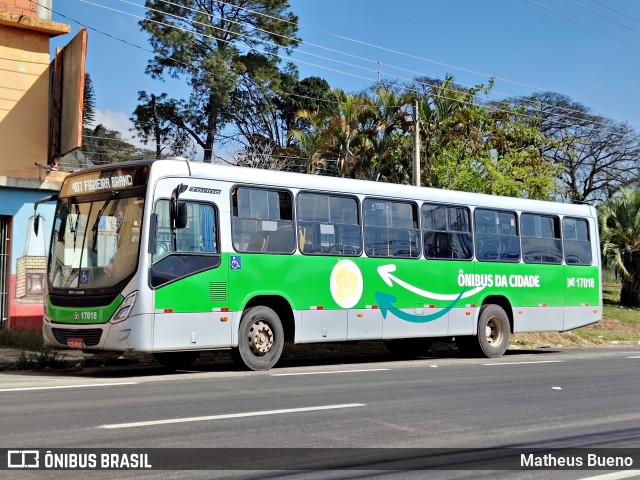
<point x="588" y="50"/>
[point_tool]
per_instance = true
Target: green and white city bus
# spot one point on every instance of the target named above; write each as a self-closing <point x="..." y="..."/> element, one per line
<point x="176" y="257"/>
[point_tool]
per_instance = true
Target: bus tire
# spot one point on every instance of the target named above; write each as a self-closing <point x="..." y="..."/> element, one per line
<point x="493" y="331"/>
<point x="409" y="347"/>
<point x="176" y="360"/>
<point x="260" y="339"/>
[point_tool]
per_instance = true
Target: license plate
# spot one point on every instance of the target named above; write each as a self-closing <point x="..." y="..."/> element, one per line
<point x="75" y="343"/>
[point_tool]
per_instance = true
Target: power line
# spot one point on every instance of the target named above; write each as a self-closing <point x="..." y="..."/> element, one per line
<point x="604" y="16"/>
<point x="319" y="66"/>
<point x="268" y="53"/>
<point x="366" y="59"/>
<point x="224" y="41"/>
<point x="186" y="30"/>
<point x="416" y="57"/>
<point x="583" y="24"/>
<point x="190" y="21"/>
<point x="617" y="11"/>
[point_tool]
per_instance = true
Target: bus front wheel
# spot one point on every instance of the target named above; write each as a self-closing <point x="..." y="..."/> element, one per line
<point x="260" y="339"/>
<point x="493" y="331"/>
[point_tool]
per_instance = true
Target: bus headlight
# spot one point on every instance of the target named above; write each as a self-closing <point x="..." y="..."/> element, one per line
<point x="125" y="308"/>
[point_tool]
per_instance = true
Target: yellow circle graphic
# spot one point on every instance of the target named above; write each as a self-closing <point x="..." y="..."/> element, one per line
<point x="346" y="283"/>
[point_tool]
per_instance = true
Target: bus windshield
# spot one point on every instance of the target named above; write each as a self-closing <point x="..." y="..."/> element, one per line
<point x="95" y="243"/>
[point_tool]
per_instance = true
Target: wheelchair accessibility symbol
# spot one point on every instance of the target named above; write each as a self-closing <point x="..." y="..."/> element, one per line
<point x="236" y="263"/>
<point x="84" y="276"/>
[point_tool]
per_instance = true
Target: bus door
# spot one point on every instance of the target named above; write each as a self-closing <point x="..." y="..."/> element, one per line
<point x="187" y="274"/>
<point x="583" y="301"/>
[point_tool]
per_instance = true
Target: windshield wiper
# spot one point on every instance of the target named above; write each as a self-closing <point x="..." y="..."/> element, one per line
<point x="74" y="229"/>
<point x="111" y="196"/>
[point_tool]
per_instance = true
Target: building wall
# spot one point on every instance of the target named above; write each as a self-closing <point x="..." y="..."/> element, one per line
<point x="21" y="7"/>
<point x="25" y="30"/>
<point x="24" y="83"/>
<point x="27" y="256"/>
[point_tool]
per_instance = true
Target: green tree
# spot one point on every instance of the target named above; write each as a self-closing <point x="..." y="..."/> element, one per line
<point x="474" y="145"/>
<point x="338" y="129"/>
<point x="103" y="146"/>
<point x="390" y="142"/>
<point x="597" y="156"/>
<point x="154" y="121"/>
<point x="210" y="44"/>
<point x="309" y="94"/>
<point x="257" y="119"/>
<point x="89" y="102"/>
<point x="620" y="238"/>
<point x="467" y="144"/>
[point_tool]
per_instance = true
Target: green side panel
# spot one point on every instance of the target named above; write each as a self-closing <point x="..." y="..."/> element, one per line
<point x="414" y="282"/>
<point x="582" y="285"/>
<point x="309" y="281"/>
<point x="85" y="315"/>
<point x="201" y="292"/>
<point x="303" y="280"/>
<point x="525" y="285"/>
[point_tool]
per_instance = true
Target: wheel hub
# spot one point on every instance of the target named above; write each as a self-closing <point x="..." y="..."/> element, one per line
<point x="260" y="338"/>
<point x="493" y="332"/>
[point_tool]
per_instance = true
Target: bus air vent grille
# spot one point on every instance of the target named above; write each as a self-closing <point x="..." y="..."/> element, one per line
<point x="90" y="336"/>
<point x="217" y="292"/>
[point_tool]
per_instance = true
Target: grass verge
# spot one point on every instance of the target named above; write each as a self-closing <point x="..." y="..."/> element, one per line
<point x="22" y="340"/>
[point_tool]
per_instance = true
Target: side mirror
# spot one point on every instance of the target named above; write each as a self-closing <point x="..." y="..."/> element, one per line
<point x="178" y="209"/>
<point x="153" y="233"/>
<point x="63" y="215"/>
<point x="63" y="229"/>
<point x="181" y="215"/>
<point x="36" y="217"/>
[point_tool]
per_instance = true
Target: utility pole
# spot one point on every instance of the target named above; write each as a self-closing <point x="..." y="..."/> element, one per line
<point x="416" y="145"/>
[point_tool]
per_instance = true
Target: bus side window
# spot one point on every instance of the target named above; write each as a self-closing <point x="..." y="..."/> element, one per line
<point x="576" y="240"/>
<point x="446" y="232"/>
<point x="541" y="238"/>
<point x="391" y="228"/>
<point x="262" y="220"/>
<point x="200" y="234"/>
<point x="497" y="236"/>
<point x="328" y="224"/>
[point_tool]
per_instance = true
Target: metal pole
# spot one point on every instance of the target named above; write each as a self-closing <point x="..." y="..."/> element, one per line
<point x="416" y="145"/>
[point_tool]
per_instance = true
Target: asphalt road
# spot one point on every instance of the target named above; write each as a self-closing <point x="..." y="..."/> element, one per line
<point x="525" y="400"/>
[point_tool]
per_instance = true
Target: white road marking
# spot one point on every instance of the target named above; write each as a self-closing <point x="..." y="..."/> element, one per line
<point x="638" y="356"/>
<point x="328" y="371"/>
<point x="231" y="415"/>
<point x="615" y="475"/>
<point x="522" y="363"/>
<point x="89" y="385"/>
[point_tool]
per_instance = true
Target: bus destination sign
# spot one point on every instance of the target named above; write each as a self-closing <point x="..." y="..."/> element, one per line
<point x="105" y="180"/>
<point x="104" y="183"/>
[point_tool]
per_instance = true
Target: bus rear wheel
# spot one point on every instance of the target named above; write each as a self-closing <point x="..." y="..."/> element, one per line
<point x="260" y="339"/>
<point x="494" y="331"/>
<point x="176" y="360"/>
<point x="493" y="336"/>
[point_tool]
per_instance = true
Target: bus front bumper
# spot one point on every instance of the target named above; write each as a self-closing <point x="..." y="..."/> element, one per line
<point x="134" y="333"/>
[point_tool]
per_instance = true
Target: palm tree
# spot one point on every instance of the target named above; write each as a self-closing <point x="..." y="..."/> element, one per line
<point x="389" y="152"/>
<point x="620" y="238"/>
<point x="335" y="133"/>
<point x="442" y="111"/>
